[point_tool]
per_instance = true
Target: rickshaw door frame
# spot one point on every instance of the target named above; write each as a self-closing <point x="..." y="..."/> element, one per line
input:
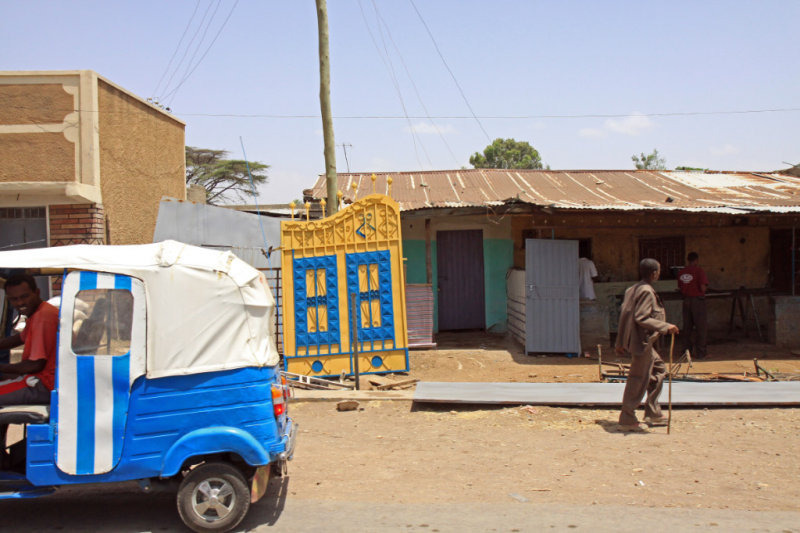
<point x="94" y="384"/>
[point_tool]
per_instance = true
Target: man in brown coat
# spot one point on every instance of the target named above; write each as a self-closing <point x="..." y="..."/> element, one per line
<point x="641" y="321"/>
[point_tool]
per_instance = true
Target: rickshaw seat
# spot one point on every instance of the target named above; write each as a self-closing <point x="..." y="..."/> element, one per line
<point x="24" y="414"/>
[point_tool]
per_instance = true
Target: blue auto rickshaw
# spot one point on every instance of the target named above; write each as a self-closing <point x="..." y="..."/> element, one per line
<point x="167" y="373"/>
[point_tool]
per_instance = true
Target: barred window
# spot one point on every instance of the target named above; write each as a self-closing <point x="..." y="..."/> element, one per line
<point x="669" y="251"/>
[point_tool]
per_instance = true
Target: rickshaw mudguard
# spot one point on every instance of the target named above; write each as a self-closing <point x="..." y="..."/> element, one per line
<point x="213" y="440"/>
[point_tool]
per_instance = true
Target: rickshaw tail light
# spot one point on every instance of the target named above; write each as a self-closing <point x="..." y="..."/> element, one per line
<point x="278" y="400"/>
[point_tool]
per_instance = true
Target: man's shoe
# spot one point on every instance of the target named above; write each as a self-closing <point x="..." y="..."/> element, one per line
<point x="656" y="421"/>
<point x="629" y="428"/>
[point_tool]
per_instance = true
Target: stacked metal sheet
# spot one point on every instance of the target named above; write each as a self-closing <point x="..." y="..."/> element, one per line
<point x="419" y="314"/>
<point x="778" y="393"/>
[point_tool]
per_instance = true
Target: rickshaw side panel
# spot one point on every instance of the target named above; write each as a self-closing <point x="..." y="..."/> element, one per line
<point x="165" y="410"/>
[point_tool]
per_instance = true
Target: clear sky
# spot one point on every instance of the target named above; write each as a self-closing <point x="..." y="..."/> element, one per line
<point x="587" y="83"/>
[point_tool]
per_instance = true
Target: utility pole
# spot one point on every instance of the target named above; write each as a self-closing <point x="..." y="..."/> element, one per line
<point x="325" y="106"/>
<point x="345" y="146"/>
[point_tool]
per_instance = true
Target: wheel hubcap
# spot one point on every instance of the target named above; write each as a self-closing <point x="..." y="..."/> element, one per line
<point x="213" y="499"/>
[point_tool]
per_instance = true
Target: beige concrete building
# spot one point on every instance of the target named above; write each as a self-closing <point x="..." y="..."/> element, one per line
<point x="83" y="160"/>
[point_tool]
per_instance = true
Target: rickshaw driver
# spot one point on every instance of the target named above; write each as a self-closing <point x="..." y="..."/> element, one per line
<point x="30" y="380"/>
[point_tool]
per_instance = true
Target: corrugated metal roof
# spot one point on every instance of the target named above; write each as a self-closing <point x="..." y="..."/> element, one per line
<point x="720" y="192"/>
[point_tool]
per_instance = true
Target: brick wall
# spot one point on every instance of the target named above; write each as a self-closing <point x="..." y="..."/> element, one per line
<point x="77" y="224"/>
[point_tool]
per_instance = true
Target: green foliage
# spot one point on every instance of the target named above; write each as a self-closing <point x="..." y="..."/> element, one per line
<point x="649" y="161"/>
<point x="691" y="169"/>
<point x="223" y="179"/>
<point x="507" y="153"/>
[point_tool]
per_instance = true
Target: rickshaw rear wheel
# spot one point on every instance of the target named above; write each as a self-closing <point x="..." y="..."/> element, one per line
<point x="213" y="497"/>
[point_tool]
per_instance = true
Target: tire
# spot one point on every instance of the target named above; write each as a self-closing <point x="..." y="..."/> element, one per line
<point x="213" y="497"/>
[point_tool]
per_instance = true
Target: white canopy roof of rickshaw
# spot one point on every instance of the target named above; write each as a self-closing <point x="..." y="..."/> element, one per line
<point x="206" y="310"/>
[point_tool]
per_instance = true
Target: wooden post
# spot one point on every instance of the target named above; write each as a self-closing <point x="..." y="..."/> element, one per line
<point x="325" y="104"/>
<point x="669" y="418"/>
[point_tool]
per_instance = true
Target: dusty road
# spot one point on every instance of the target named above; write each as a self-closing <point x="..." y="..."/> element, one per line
<point x="134" y="512"/>
<point x="395" y="452"/>
<point x="395" y="466"/>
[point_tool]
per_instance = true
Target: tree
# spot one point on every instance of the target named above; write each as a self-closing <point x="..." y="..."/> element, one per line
<point x="507" y="153"/>
<point x="223" y="179"/>
<point x="649" y="161"/>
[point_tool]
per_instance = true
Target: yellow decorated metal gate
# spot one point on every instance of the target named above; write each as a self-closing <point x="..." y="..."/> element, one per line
<point x="344" y="298"/>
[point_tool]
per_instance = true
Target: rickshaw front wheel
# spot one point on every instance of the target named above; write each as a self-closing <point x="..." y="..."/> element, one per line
<point x="213" y="497"/>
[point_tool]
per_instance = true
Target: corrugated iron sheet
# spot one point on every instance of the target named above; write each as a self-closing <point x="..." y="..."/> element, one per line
<point x="719" y="192"/>
<point x="607" y="394"/>
<point x="419" y="312"/>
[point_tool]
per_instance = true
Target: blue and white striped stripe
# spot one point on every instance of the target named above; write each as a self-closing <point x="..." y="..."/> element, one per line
<point x="94" y="390"/>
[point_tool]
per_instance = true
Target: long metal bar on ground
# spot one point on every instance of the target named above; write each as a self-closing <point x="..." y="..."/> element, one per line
<point x="777" y="393"/>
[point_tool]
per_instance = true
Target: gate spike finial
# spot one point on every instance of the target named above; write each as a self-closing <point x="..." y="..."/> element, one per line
<point x="323" y="203"/>
<point x="373" y="178"/>
<point x="292" y="205"/>
<point x="308" y="208"/>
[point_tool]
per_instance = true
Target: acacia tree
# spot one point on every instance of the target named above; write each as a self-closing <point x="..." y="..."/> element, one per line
<point x="650" y="161"/>
<point x="223" y="179"/>
<point x="507" y="153"/>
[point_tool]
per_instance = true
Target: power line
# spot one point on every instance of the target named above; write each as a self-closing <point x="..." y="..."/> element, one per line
<point x="414" y="85"/>
<point x="510" y="117"/>
<point x="186" y="51"/>
<point x="388" y="64"/>
<point x="504" y="117"/>
<point x="462" y="117"/>
<point x="214" y="40"/>
<point x="180" y="41"/>
<point x="441" y="56"/>
<point x="196" y="49"/>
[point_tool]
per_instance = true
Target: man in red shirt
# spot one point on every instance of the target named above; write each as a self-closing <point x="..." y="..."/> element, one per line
<point x="693" y="283"/>
<point x="30" y="380"/>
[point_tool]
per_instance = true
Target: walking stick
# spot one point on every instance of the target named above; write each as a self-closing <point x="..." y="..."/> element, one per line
<point x="669" y="418"/>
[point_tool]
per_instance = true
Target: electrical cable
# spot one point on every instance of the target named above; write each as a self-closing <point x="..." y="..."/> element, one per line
<point x="255" y="200"/>
<point x="387" y="63"/>
<point x="186" y="51"/>
<point x="456" y="117"/>
<point x="180" y="41"/>
<point x="209" y="47"/>
<point x="504" y="117"/>
<point x="441" y="56"/>
<point x="414" y="85"/>
<point x="197" y="49"/>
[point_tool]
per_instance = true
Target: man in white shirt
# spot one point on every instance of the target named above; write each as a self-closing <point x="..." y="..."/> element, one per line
<point x="587" y="275"/>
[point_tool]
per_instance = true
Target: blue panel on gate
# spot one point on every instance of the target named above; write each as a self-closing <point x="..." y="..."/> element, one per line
<point x="308" y="334"/>
<point x="367" y="293"/>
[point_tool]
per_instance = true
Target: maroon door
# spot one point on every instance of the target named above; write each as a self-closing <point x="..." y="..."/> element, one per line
<point x="459" y="257"/>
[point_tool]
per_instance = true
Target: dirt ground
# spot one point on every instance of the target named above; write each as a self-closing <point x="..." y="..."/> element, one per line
<point x="403" y="452"/>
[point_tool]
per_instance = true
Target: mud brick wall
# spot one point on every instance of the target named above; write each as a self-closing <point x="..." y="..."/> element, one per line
<point x="77" y="224"/>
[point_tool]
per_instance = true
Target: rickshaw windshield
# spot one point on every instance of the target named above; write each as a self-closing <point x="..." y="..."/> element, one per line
<point x="102" y="322"/>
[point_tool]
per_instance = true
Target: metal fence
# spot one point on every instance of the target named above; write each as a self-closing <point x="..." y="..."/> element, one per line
<point x="273" y="276"/>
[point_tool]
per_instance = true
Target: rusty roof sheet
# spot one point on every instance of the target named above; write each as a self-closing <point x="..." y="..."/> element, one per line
<point x="722" y="192"/>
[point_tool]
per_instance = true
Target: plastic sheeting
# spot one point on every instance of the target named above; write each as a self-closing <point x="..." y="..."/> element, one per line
<point x="206" y="310"/>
